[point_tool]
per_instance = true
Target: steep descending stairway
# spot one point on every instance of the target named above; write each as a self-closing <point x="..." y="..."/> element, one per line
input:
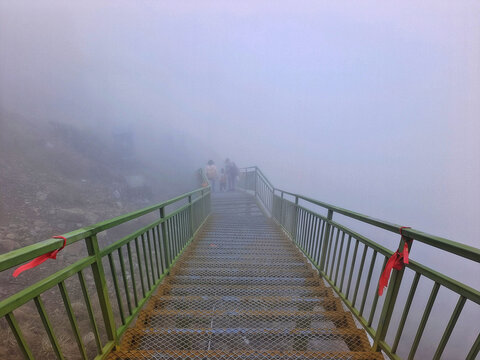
<point x="243" y="291"/>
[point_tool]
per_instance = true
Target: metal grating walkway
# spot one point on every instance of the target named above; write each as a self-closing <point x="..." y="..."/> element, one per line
<point x="243" y="291"/>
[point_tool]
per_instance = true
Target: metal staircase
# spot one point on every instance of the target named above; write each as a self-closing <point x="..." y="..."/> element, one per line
<point x="243" y="291"/>
<point x="258" y="274"/>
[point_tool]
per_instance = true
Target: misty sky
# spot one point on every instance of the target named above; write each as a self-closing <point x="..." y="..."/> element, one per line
<point x="370" y="105"/>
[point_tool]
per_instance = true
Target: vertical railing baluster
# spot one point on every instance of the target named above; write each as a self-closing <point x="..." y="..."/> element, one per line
<point x="311" y="249"/>
<point x="17" y="332"/>
<point x="161" y="250"/>
<point x="373" y="309"/>
<point x="152" y="267"/>
<point x="360" y="273"/>
<point x="48" y="327"/>
<point x="115" y="285"/>
<point x="88" y="303"/>
<point x="347" y="253"/>
<point x="203" y="205"/>
<point x="301" y="226"/>
<point x="390" y="300"/>
<point x="125" y="281"/>
<point x="318" y="250"/>
<point x="406" y="309"/>
<point x="423" y="321"/>
<point x="145" y="258"/>
<point x="339" y="260"/>
<point x="352" y="267"/>
<point x="190" y="206"/>
<point x="367" y="283"/>
<point x="334" y="255"/>
<point x="325" y="240"/>
<point x="156" y="249"/>
<point x="101" y="286"/>
<point x="295" y="220"/>
<point x="330" y="242"/>
<point x="282" y="220"/>
<point x="139" y="261"/>
<point x="255" y="177"/>
<point x="72" y="319"/>
<point x="472" y="354"/>
<point x="166" y="246"/>
<point x="450" y="326"/>
<point x="134" y="284"/>
<point x="310" y="234"/>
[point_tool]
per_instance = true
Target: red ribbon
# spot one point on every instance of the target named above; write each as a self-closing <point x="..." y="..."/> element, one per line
<point x="42" y="258"/>
<point x="397" y="261"/>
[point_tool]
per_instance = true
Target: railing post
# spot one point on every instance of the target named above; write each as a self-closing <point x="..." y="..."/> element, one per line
<point x="326" y="237"/>
<point x="209" y="203"/>
<point x="281" y="209"/>
<point x="203" y="205"/>
<point x="166" y="245"/>
<point x="101" y="286"/>
<point x="389" y="304"/>
<point x="295" y="223"/>
<point x="190" y="205"/>
<point x="255" y="182"/>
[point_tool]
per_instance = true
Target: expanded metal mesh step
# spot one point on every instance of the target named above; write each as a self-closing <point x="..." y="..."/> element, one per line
<point x="253" y="245"/>
<point x="263" y="319"/>
<point x="241" y="303"/>
<point x="244" y="272"/>
<point x="245" y="258"/>
<point x="243" y="355"/>
<point x="246" y="339"/>
<point x="248" y="263"/>
<point x="222" y="265"/>
<point x="237" y="280"/>
<point x="243" y="291"/>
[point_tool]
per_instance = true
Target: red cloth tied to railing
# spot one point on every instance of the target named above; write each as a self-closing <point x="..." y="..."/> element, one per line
<point x="397" y="261"/>
<point x="42" y="258"/>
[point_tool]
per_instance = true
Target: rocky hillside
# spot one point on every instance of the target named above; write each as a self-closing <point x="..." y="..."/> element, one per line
<point x="56" y="177"/>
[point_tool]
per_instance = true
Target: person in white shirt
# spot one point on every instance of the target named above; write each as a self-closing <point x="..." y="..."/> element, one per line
<point x="211" y="171"/>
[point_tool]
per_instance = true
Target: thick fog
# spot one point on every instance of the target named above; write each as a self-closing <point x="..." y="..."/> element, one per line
<point x="371" y="106"/>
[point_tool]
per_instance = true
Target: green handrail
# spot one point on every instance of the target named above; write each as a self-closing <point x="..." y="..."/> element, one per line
<point x="137" y="265"/>
<point x="352" y="263"/>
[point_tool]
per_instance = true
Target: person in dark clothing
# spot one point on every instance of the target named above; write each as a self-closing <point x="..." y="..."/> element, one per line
<point x="232" y="172"/>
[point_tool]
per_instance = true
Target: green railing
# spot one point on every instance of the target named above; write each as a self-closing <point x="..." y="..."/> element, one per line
<point x="136" y="265"/>
<point x="352" y="264"/>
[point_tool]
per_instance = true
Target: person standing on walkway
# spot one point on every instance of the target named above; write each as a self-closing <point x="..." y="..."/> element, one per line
<point x="211" y="172"/>
<point x="232" y="172"/>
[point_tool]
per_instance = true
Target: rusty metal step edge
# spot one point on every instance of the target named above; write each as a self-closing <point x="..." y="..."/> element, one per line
<point x="362" y="345"/>
<point x="331" y="303"/>
<point x="226" y="280"/>
<point x="243" y="265"/>
<point x="341" y="318"/>
<point x="219" y="354"/>
<point x="315" y="291"/>
<point x="251" y="272"/>
<point x="321" y="287"/>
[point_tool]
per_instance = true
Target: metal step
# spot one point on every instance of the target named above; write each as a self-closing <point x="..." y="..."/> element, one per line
<point x="240" y="303"/>
<point x="196" y="263"/>
<point x="237" y="280"/>
<point x="242" y="355"/>
<point x="244" y="272"/>
<point x="244" y="290"/>
<point x="258" y="319"/>
<point x="246" y="339"/>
